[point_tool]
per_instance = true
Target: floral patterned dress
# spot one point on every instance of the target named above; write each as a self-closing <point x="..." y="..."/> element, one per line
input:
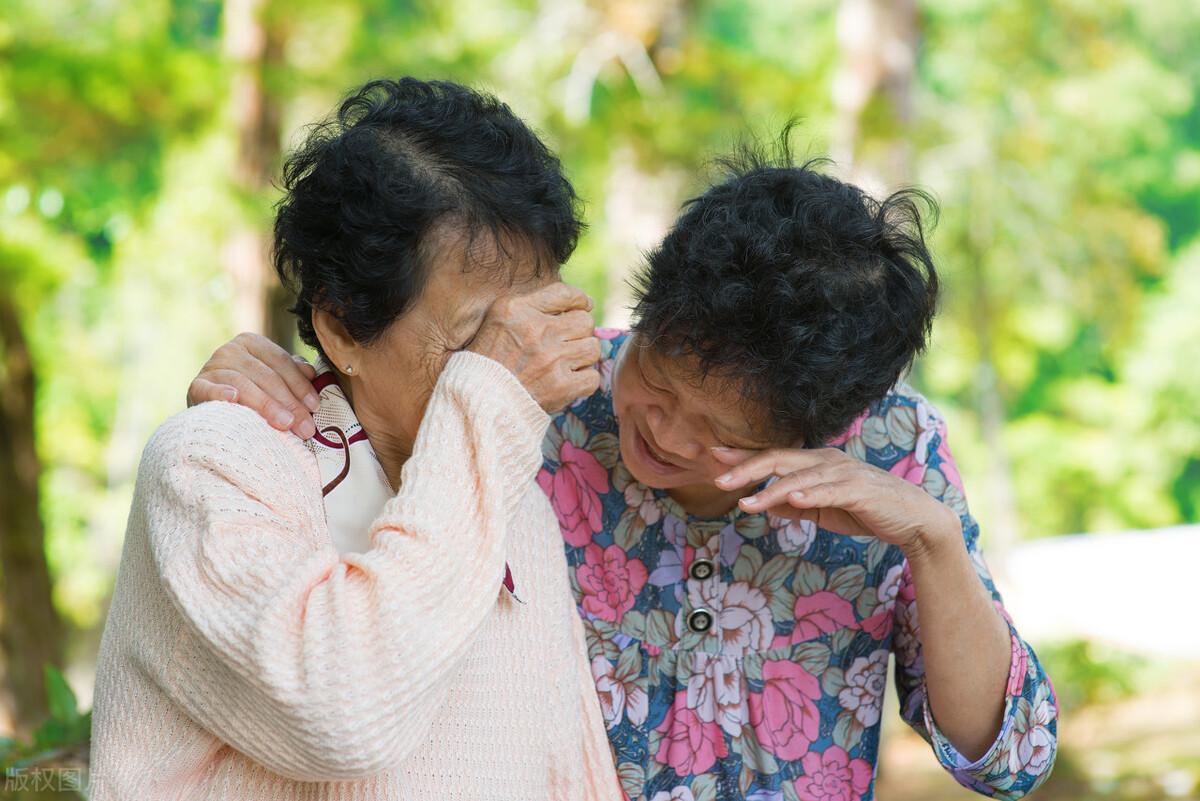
<point x="742" y="657"/>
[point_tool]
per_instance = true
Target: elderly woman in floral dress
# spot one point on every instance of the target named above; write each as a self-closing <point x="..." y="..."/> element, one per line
<point x="755" y="507"/>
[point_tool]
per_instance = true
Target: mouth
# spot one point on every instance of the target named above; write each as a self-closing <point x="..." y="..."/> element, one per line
<point x="652" y="457"/>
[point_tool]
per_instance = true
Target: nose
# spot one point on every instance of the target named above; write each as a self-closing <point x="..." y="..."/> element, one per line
<point x="670" y="433"/>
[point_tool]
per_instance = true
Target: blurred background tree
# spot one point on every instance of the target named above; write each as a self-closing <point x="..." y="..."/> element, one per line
<point x="141" y="141"/>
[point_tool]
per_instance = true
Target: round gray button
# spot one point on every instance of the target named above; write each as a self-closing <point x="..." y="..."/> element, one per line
<point x="701" y="569"/>
<point x="700" y="620"/>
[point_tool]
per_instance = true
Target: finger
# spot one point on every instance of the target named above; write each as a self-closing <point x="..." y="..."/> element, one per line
<point x="778" y="491"/>
<point x="574" y="324"/>
<point x="202" y="390"/>
<point x="820" y="496"/>
<point x="270" y="381"/>
<point x="298" y="385"/>
<point x="581" y="353"/>
<point x="309" y="371"/>
<point x="789" y="512"/>
<point x="559" y="297"/>
<point x="764" y="463"/>
<point x="732" y="456"/>
<point x="252" y="396"/>
<point x="584" y="383"/>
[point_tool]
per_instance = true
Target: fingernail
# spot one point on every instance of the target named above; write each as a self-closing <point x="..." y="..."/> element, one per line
<point x="796" y="495"/>
<point x="230" y="395"/>
<point x="312" y="402"/>
<point x="306" y="429"/>
<point x="725" y="479"/>
<point x="750" y="502"/>
<point x="284" y="419"/>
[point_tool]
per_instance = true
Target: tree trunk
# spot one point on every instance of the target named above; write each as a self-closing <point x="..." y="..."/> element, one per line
<point x="254" y="41"/>
<point x="30" y="629"/>
<point x="878" y="43"/>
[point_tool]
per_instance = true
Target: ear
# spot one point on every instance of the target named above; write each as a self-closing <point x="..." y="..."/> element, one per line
<point x="339" y="346"/>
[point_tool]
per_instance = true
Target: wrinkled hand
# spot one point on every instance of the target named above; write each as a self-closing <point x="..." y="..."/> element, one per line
<point x="546" y="340"/>
<point x="255" y="372"/>
<point x="839" y="493"/>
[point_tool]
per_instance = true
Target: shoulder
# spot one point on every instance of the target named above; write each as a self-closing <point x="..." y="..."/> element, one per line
<point x="226" y="440"/>
<point x="902" y="426"/>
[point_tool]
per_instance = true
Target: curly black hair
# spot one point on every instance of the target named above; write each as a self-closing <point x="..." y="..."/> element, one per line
<point x="368" y="189"/>
<point x="812" y="296"/>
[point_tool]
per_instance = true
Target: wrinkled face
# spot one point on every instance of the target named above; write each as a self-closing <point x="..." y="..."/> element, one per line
<point x="393" y="384"/>
<point x="669" y="421"/>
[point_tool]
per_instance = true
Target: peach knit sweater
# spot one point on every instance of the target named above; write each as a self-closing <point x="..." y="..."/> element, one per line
<point x="243" y="658"/>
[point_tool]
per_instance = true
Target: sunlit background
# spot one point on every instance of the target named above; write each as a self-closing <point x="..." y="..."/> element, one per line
<point x="139" y="142"/>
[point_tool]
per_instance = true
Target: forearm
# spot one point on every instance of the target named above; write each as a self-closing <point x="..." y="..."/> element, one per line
<point x="965" y="642"/>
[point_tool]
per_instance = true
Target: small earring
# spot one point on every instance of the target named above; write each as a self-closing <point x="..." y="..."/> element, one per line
<point x="349" y="369"/>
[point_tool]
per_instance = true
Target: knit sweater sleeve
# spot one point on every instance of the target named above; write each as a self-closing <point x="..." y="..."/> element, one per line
<point x="317" y="666"/>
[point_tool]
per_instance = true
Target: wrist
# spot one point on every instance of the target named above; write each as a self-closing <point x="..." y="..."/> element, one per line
<point x="940" y="535"/>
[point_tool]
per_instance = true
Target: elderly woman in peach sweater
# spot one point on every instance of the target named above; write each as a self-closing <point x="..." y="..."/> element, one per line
<point x="382" y="612"/>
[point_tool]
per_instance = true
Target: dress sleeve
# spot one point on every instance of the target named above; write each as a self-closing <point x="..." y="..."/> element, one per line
<point x="322" y="667"/>
<point x="1021" y="757"/>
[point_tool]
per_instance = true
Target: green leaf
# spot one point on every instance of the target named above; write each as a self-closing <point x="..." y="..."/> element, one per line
<point x="774" y="573"/>
<point x="704" y="787"/>
<point x="876" y="550"/>
<point x="574" y="431"/>
<point x="629" y="530"/>
<point x="752" y="526"/>
<point x="629" y="665"/>
<point x="61" y="698"/>
<point x="552" y="444"/>
<point x="660" y="627"/>
<point x="901" y="424"/>
<point x="782" y="603"/>
<point x="754" y="756"/>
<point x="874" y="433"/>
<point x="606" y="448"/>
<point x="833" y="681"/>
<point x="789" y="791"/>
<point x="813" y="657"/>
<point x="810" y="578"/>
<point x="848" y="581"/>
<point x="634" y="624"/>
<point x="748" y="563"/>
<point x="633" y="777"/>
<point x="847" y="731"/>
<point x="867" y="601"/>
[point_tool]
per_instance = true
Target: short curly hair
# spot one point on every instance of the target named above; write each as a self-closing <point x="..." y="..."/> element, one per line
<point x="809" y="294"/>
<point x="366" y="192"/>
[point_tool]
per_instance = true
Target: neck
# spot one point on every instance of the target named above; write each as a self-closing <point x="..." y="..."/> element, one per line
<point x="703" y="500"/>
<point x="392" y="451"/>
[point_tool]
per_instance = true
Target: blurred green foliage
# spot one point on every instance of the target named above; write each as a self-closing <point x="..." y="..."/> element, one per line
<point x="1062" y="138"/>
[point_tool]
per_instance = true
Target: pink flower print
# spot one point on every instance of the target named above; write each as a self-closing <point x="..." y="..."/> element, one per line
<point x="909" y="469"/>
<point x="889" y="588"/>
<point x="607" y="333"/>
<point x="674" y="794"/>
<point x="574" y="491"/>
<point x="1032" y="749"/>
<point x="716" y="691"/>
<point x="1016" y="668"/>
<point x="742" y="617"/>
<point x="618" y="698"/>
<point x="785" y="715"/>
<point x="855" y="430"/>
<point x="640" y="497"/>
<point x="610" y="581"/>
<point x="689" y="745"/>
<point x="927" y="426"/>
<point x="794" y="535"/>
<point x="821" y="613"/>
<point x="833" y="776"/>
<point x="865" y="683"/>
<point x="947" y="465"/>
